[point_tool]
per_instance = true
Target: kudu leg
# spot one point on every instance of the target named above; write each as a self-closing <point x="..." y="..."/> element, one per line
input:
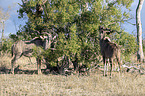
<point x="38" y="65"/>
<point x="119" y="64"/>
<point x="104" y="61"/>
<point x="111" y="65"/>
<point x="108" y="64"/>
<point x="13" y="62"/>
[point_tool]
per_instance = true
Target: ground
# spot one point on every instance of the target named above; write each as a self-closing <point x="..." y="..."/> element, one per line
<point x="127" y="84"/>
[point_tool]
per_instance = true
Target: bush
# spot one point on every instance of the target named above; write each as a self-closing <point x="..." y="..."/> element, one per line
<point x="127" y="43"/>
<point x="6" y="46"/>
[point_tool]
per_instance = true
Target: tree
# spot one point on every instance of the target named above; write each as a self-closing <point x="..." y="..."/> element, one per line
<point x="3" y="17"/>
<point x="128" y="45"/>
<point x="140" y="55"/>
<point x="74" y="23"/>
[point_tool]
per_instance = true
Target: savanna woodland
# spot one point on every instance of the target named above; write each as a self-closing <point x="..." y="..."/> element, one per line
<point x="73" y="64"/>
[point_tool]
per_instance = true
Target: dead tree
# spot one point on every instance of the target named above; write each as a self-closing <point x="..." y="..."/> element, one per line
<point x="109" y="50"/>
<point x="140" y="54"/>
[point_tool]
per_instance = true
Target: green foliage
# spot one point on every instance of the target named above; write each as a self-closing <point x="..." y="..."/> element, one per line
<point x="73" y="43"/>
<point x="127" y="43"/>
<point x="38" y="52"/>
<point x="6" y="47"/>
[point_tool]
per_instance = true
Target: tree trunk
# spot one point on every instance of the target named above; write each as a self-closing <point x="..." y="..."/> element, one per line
<point x="140" y="55"/>
<point x="3" y="26"/>
<point x="75" y="63"/>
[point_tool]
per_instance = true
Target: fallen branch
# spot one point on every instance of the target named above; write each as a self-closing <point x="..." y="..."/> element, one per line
<point x="133" y="69"/>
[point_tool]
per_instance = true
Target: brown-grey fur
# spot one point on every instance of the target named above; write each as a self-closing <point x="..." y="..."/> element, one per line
<point x="109" y="50"/>
<point x="25" y="48"/>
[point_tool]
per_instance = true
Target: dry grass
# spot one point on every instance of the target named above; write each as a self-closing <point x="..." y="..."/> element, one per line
<point x="23" y="62"/>
<point x="94" y="85"/>
<point x="57" y="85"/>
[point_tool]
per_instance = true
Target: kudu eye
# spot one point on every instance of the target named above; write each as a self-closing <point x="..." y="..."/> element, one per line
<point x="107" y="33"/>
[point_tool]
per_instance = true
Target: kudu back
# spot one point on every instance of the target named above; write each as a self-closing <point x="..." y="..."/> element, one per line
<point x="25" y="48"/>
<point x="109" y="50"/>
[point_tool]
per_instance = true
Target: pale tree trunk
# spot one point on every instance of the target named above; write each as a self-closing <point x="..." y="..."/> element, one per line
<point x="140" y="55"/>
<point x="3" y="26"/>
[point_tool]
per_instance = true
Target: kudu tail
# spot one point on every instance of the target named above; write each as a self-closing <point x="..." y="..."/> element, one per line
<point x="12" y="53"/>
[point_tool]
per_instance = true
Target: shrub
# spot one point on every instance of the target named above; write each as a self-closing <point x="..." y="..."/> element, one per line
<point x="5" y="46"/>
<point x="127" y="43"/>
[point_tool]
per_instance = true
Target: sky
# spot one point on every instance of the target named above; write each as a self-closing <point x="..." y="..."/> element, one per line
<point x="13" y="23"/>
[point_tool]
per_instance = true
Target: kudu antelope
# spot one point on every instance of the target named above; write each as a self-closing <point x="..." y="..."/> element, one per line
<point x="109" y="50"/>
<point x="25" y="48"/>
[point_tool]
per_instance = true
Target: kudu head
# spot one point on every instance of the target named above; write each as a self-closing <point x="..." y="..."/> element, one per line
<point x="103" y="31"/>
<point x="47" y="40"/>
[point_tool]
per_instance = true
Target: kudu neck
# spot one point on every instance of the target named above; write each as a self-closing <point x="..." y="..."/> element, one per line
<point x="46" y="45"/>
<point x="102" y="36"/>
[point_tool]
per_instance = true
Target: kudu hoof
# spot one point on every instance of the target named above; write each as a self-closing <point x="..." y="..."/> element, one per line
<point x="105" y="75"/>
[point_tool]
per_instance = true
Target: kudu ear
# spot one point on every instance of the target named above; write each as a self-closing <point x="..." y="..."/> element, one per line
<point x="45" y="37"/>
<point x="107" y="39"/>
<point x="41" y="37"/>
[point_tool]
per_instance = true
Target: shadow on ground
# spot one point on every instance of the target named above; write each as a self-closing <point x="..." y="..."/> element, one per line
<point x="5" y="70"/>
